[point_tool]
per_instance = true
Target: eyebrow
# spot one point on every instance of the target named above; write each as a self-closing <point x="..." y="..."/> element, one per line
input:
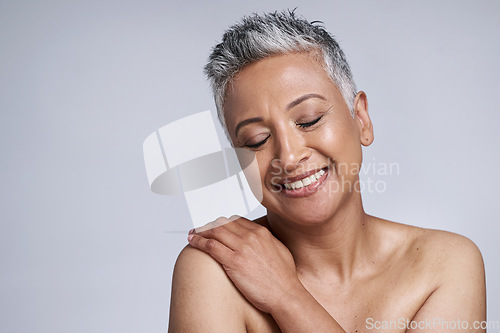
<point x="288" y="107"/>
<point x="304" y="98"/>
<point x="246" y="122"/>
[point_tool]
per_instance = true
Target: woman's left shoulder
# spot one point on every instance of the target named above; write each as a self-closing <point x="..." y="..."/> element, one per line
<point x="449" y="269"/>
<point x="446" y="245"/>
<point x="444" y="252"/>
<point x="435" y="248"/>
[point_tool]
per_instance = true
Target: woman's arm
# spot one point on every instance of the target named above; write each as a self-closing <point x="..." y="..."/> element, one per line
<point x="263" y="270"/>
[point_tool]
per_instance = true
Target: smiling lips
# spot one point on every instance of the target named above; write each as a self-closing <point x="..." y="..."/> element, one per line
<point x="304" y="182"/>
<point x="307" y="185"/>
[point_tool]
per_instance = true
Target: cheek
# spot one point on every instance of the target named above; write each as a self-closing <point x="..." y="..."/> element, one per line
<point x="249" y="163"/>
<point x="341" y="143"/>
<point x="265" y="170"/>
<point x="254" y="178"/>
<point x="266" y="174"/>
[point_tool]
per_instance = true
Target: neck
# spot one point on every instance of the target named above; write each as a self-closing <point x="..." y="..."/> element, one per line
<point x="339" y="245"/>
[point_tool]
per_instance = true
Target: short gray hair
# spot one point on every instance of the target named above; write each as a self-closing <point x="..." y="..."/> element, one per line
<point x="261" y="36"/>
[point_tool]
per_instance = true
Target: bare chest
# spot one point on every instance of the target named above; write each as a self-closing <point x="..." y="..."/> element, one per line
<point x="372" y="306"/>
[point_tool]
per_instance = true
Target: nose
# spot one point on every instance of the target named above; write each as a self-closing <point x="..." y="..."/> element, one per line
<point x="290" y="150"/>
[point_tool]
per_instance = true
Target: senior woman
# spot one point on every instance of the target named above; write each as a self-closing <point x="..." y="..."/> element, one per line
<point x="316" y="262"/>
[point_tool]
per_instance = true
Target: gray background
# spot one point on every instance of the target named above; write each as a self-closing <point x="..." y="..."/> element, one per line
<point x="85" y="245"/>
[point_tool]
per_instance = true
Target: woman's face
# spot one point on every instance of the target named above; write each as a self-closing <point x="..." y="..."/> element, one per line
<point x="287" y="111"/>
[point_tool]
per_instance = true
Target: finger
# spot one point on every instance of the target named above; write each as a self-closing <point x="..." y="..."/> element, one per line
<point x="238" y="237"/>
<point x="229" y="234"/>
<point x="238" y="225"/>
<point x="243" y="222"/>
<point x="217" y="223"/>
<point x="214" y="248"/>
<point x="231" y="224"/>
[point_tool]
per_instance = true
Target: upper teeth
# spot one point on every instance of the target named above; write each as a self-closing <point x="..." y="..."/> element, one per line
<point x="304" y="181"/>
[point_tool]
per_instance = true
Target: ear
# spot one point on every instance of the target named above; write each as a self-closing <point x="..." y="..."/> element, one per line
<point x="363" y="119"/>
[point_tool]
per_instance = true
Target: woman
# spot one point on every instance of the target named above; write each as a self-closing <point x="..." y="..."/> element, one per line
<point x="316" y="262"/>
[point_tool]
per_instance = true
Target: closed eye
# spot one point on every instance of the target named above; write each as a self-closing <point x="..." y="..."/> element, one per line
<point x="258" y="144"/>
<point x="309" y="124"/>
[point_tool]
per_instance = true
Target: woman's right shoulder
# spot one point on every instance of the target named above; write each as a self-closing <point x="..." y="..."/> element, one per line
<point x="200" y="269"/>
<point x="201" y="286"/>
<point x="190" y="256"/>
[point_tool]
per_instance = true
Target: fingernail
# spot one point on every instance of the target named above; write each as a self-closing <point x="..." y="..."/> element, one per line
<point x="190" y="237"/>
<point x="191" y="231"/>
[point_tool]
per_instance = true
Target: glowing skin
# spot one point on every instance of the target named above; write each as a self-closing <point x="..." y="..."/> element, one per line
<point x="286" y="93"/>
<point x="317" y="262"/>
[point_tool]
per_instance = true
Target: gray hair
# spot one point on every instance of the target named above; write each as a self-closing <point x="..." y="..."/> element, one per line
<point x="261" y="36"/>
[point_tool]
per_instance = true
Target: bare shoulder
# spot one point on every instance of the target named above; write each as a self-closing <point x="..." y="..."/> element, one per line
<point x="433" y="247"/>
<point x="191" y="261"/>
<point x="452" y="252"/>
<point x="454" y="266"/>
<point x="445" y="268"/>
<point x="203" y="296"/>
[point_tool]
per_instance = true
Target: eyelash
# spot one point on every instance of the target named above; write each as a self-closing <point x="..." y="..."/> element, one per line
<point x="302" y="125"/>
<point x="309" y="124"/>
<point x="257" y="145"/>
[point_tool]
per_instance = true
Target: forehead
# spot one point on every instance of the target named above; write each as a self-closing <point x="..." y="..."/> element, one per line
<point x="274" y="82"/>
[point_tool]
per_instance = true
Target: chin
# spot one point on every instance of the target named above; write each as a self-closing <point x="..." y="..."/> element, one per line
<point x="305" y="215"/>
<point x="313" y="211"/>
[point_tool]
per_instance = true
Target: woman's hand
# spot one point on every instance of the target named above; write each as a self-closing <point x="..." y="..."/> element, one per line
<point x="259" y="265"/>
